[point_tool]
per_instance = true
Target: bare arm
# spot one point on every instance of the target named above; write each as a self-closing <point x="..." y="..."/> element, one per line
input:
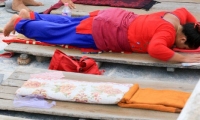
<point x="159" y="47"/>
<point x="184" y="15"/>
<point x="187" y="58"/>
<point x="71" y="4"/>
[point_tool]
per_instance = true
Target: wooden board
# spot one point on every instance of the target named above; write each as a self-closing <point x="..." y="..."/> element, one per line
<point x="192" y="107"/>
<point x="4" y="117"/>
<point x="9" y="86"/>
<point x="192" y="6"/>
<point x="131" y="59"/>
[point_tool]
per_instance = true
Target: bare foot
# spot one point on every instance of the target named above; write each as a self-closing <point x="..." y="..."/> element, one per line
<point x="24" y="14"/>
<point x="17" y="5"/>
<point x="10" y="25"/>
<point x="32" y="3"/>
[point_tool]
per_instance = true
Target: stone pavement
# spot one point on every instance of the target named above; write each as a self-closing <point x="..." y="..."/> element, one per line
<point x="8" y="65"/>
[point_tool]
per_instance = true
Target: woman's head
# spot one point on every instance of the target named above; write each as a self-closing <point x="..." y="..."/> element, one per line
<point x="188" y="36"/>
<point x="192" y="33"/>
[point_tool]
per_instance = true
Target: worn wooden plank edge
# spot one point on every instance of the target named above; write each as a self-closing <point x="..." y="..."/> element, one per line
<point x="192" y="107"/>
<point x="88" y="110"/>
<point x="23" y="74"/>
<point x="131" y="59"/>
<point x="92" y="111"/>
<point x="4" y="117"/>
<point x="85" y="110"/>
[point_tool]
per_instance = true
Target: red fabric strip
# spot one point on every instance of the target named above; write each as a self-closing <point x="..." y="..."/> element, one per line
<point x="32" y="15"/>
<point x="16" y="21"/>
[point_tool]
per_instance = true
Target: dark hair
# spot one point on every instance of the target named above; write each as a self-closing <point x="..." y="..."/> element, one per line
<point x="192" y="34"/>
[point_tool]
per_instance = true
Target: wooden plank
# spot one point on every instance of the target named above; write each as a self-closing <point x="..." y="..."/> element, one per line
<point x="192" y="107"/>
<point x="155" y="84"/>
<point x="1" y="77"/>
<point x="8" y="89"/>
<point x="96" y="78"/>
<point x="92" y="111"/>
<point x="7" y="96"/>
<point x="132" y="59"/>
<point x="18" y="76"/>
<point x="86" y="110"/>
<point x="13" y="82"/>
<point x="7" y="93"/>
<point x="4" y="117"/>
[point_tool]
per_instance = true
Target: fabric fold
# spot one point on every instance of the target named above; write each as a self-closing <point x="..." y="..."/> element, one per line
<point x="161" y="100"/>
<point x="127" y="96"/>
<point x="63" y="62"/>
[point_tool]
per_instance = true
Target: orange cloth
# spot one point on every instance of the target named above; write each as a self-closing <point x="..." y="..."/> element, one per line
<point x="85" y="26"/>
<point x="161" y="100"/>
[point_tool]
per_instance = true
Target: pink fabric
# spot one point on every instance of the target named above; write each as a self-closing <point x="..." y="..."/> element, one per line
<point x="55" y="6"/>
<point x="114" y="39"/>
<point x="32" y="101"/>
<point x="187" y="51"/>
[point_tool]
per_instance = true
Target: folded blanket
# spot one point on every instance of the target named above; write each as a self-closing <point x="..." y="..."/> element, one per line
<point x="161" y="100"/>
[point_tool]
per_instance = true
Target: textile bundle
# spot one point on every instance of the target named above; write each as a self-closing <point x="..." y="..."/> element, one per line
<point x="145" y="4"/>
<point x="53" y="86"/>
<point x="63" y="62"/>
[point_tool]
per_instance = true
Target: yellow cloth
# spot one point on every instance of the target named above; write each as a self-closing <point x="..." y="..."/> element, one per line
<point x="161" y="100"/>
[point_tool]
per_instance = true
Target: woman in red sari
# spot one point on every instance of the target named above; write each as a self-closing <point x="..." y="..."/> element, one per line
<point x="116" y="30"/>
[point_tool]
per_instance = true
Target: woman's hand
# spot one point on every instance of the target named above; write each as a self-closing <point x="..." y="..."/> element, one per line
<point x="70" y="3"/>
<point x="186" y="58"/>
<point x="192" y="58"/>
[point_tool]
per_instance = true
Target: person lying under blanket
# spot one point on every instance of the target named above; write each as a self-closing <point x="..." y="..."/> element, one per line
<point x="115" y="30"/>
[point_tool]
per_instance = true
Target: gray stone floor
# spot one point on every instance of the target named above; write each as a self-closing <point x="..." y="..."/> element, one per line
<point x="8" y="65"/>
